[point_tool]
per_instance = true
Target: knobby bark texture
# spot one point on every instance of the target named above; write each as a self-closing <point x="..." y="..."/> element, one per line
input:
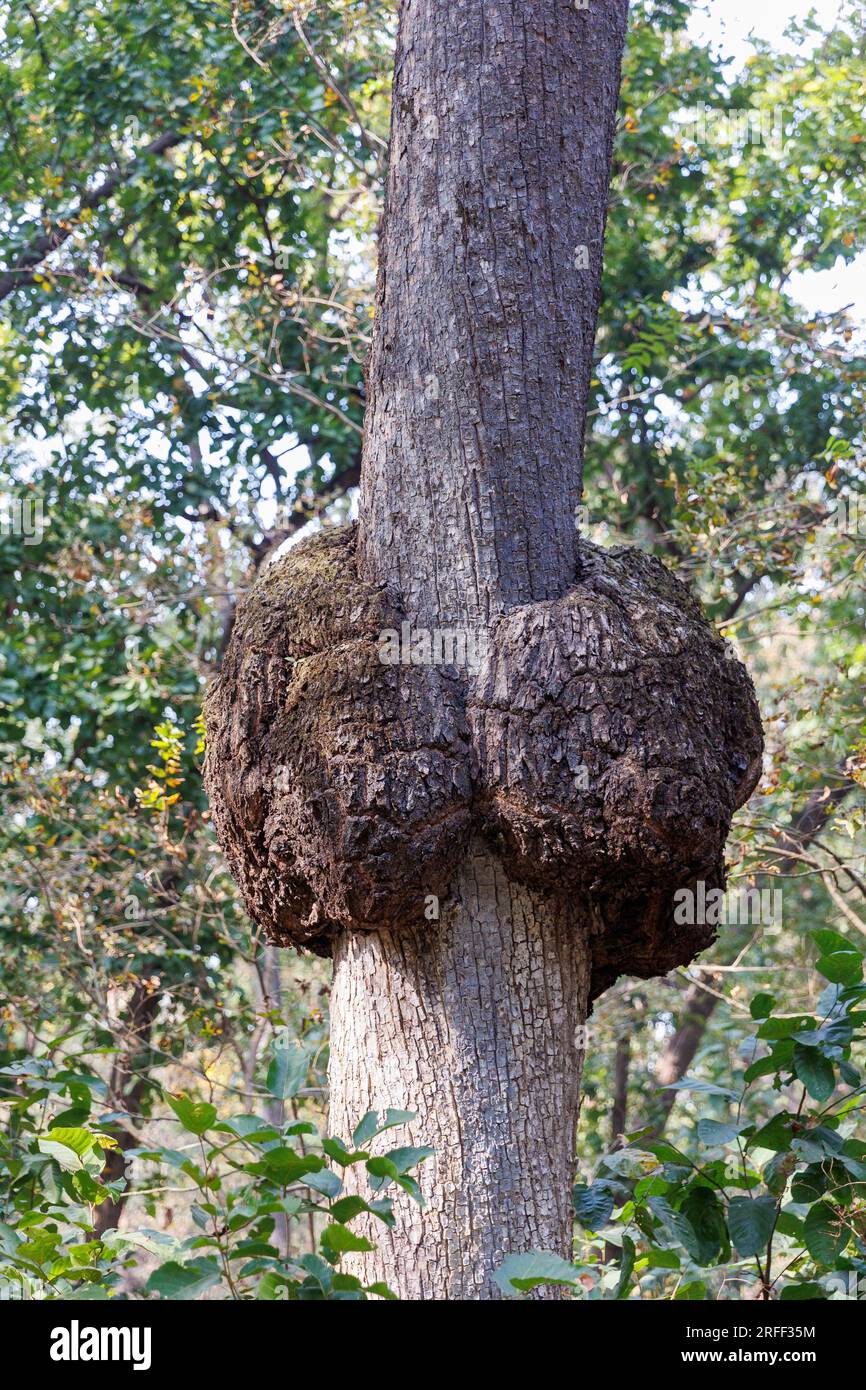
<point x="601" y="748"/>
<point x="547" y="799"/>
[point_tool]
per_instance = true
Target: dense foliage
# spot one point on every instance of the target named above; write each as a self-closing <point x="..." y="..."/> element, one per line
<point x="188" y="206"/>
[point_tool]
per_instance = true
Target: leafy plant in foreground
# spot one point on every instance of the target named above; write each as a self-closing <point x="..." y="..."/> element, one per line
<point x="778" y="1203"/>
<point x="259" y="1193"/>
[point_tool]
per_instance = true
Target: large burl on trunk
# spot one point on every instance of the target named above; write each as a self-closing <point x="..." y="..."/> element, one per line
<point x="546" y="800"/>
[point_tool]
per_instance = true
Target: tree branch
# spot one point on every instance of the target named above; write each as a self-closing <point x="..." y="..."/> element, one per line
<point x="61" y="229"/>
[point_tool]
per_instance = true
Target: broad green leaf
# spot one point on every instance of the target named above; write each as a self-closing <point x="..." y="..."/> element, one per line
<point x="829" y="942"/>
<point x="841" y="967"/>
<point x="366" y="1130"/>
<point x="75" y="1149"/>
<point x="750" y="1222"/>
<point x="337" y="1238"/>
<point x="626" y="1268"/>
<point x="593" y="1205"/>
<point x="338" y="1152"/>
<point x="775" y="1135"/>
<point x="290" y="1064"/>
<point x="706" y="1216"/>
<point x="197" y="1117"/>
<point x="815" y="1071"/>
<point x="700" y="1088"/>
<point x="518" y="1273"/>
<point x="762" y="1006"/>
<point x="694" y="1292"/>
<point x="713" y="1132"/>
<point x="325" y="1182"/>
<point x="188" y="1281"/>
<point x="826" y="1233"/>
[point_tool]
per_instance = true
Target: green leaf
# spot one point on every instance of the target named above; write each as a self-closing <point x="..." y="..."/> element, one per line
<point x="818" y="1143"/>
<point x="284" y="1166"/>
<point x="381" y="1291"/>
<point x="701" y="1088"/>
<point x="626" y="1267"/>
<point x="715" y="1132"/>
<point x="290" y="1064"/>
<point x="706" y="1216"/>
<point x="825" y="1233"/>
<point x="325" y="1182"/>
<point x="762" y="1006"/>
<point x="196" y="1117"/>
<point x="841" y="967"/>
<point x="371" y="1125"/>
<point x="248" y="1127"/>
<point x="407" y="1158"/>
<point x="662" y="1259"/>
<point x="676" y="1226"/>
<point x="593" y="1205"/>
<point x="517" y="1273"/>
<point x="695" y="1292"/>
<point x="815" y="1071"/>
<point x="790" y="1225"/>
<point x="348" y="1207"/>
<point x="367" y="1129"/>
<point x="337" y="1238"/>
<point x="828" y="942"/>
<point x="798" y="1292"/>
<point x="76" y="1150"/>
<point x="764" y="1066"/>
<point x="336" y="1150"/>
<point x="176" y="1281"/>
<point x="778" y="1170"/>
<point x="775" y="1135"/>
<point x="392" y="1118"/>
<point x="808" y="1186"/>
<point x="750" y="1222"/>
<point x="777" y="1029"/>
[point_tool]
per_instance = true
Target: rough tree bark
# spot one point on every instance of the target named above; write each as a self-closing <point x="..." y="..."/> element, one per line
<point x="489" y="283"/>
<point x="546" y="799"/>
<point x="502" y="129"/>
<point x="473" y="1026"/>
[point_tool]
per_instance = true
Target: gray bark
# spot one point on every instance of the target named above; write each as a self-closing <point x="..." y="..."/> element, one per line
<point x="490" y="266"/>
<point x="474" y="1026"/>
<point x="501" y="138"/>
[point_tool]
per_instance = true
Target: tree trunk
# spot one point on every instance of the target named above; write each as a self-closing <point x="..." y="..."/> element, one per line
<point x="574" y="760"/>
<point x="698" y="1007"/>
<point x="490" y="263"/>
<point x="127" y="1088"/>
<point x="488" y="292"/>
<point x="619" y="1108"/>
<point x="503" y="117"/>
<point x="473" y="1024"/>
